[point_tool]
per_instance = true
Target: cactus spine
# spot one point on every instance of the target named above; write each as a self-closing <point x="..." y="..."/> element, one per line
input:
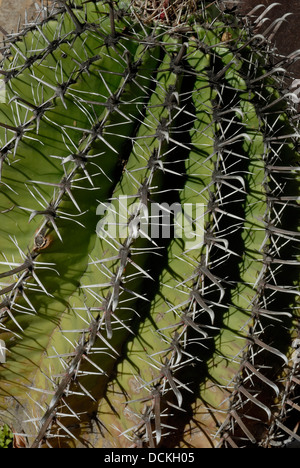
<point x="149" y="231"/>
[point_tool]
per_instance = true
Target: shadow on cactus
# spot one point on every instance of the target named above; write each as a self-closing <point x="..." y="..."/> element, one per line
<point x="149" y="230"/>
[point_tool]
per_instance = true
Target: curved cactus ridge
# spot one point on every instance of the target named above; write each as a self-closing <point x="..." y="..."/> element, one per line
<point x="148" y="236"/>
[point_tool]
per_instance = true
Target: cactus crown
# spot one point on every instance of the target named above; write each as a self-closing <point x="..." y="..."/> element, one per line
<point x="148" y="235"/>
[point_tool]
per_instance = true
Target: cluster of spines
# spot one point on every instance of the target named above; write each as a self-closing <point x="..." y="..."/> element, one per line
<point x="198" y="299"/>
<point x="274" y="135"/>
<point x="79" y="156"/>
<point x="257" y="388"/>
<point x="146" y="159"/>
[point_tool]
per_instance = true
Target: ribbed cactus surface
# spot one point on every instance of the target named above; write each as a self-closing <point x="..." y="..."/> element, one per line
<point x="149" y="231"/>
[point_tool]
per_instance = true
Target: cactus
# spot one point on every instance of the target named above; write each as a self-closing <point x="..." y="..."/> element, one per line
<point x="148" y="236"/>
<point x="6" y="437"/>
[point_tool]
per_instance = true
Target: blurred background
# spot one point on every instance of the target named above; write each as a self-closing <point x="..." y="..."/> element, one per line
<point x="287" y="38"/>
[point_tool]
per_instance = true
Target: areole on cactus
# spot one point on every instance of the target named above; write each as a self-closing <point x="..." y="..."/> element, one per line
<point x="149" y="231"/>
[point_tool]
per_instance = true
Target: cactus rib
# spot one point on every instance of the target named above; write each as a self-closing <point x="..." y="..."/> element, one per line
<point x="148" y="197"/>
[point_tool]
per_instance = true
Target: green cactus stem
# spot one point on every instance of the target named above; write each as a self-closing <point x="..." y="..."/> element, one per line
<point x="149" y="237"/>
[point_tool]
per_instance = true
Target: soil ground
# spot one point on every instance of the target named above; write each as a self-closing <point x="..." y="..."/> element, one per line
<point x="287" y="39"/>
<point x="13" y="10"/>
